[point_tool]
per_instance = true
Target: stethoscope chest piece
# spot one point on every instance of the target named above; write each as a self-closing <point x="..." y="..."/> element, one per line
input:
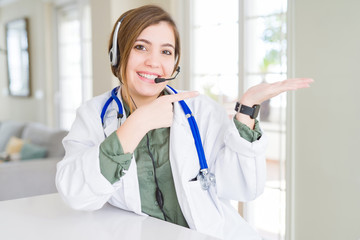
<point x="206" y="179"/>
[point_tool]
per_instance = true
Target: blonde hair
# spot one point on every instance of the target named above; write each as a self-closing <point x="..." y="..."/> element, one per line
<point x="133" y="23"/>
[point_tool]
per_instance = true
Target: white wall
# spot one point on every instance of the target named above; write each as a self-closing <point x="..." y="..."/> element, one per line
<point x="327" y="120"/>
<point x="101" y="29"/>
<point x="33" y="108"/>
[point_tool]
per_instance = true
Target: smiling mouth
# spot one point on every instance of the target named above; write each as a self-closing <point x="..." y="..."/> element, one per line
<point x="148" y="76"/>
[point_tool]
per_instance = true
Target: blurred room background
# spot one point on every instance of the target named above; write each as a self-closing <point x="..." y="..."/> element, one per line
<point x="313" y="177"/>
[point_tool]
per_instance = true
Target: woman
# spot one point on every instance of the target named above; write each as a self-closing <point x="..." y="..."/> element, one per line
<point x="146" y="160"/>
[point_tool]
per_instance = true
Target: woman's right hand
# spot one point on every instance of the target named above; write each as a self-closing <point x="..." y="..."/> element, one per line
<point x="157" y="114"/>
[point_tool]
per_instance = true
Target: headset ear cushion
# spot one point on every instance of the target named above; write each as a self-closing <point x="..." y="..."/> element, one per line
<point x="113" y="57"/>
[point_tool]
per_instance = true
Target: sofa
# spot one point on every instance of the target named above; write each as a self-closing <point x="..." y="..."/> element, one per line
<point x="29" y="154"/>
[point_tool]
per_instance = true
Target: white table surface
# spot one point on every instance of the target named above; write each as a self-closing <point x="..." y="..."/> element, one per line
<point x="48" y="217"/>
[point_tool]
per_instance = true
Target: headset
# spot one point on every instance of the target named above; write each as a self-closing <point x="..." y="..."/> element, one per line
<point x="114" y="48"/>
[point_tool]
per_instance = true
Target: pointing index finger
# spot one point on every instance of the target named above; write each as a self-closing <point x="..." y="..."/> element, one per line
<point x="182" y="95"/>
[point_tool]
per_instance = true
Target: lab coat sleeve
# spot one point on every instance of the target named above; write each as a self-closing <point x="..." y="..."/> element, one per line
<point x="78" y="177"/>
<point x="239" y="165"/>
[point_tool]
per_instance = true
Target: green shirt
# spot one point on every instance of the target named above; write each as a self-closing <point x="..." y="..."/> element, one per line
<point x="113" y="162"/>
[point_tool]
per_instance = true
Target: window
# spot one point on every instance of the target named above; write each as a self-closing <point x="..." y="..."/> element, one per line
<point x="215" y="48"/>
<point x="265" y="61"/>
<point x="74" y="61"/>
<point x="236" y="45"/>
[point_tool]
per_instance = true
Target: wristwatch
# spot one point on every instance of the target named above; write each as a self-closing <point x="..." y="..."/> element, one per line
<point x="253" y="111"/>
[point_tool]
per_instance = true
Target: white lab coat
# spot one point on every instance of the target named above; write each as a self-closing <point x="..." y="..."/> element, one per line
<point x="239" y="167"/>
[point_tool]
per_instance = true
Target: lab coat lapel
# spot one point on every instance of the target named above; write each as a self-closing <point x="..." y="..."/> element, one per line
<point x="110" y="122"/>
<point x="182" y="146"/>
<point x="183" y="164"/>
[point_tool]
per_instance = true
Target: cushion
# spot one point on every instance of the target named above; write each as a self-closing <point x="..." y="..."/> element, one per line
<point x="14" y="157"/>
<point x="3" y="157"/>
<point x="9" y="129"/>
<point x="43" y="136"/>
<point x="14" y="145"/>
<point x="32" y="151"/>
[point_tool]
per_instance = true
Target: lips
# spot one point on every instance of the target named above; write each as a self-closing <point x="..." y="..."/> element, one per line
<point x="147" y="77"/>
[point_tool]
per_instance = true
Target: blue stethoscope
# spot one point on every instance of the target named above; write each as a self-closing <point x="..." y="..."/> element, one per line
<point x="205" y="178"/>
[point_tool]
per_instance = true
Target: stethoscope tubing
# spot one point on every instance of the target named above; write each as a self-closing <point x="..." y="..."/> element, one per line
<point x="195" y="132"/>
<point x="113" y="95"/>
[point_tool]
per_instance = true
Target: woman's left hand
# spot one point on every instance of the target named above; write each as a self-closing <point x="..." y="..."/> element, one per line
<point x="264" y="91"/>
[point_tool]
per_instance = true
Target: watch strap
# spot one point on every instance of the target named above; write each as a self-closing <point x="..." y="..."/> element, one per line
<point x="251" y="111"/>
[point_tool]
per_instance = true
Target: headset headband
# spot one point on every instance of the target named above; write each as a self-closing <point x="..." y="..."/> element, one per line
<point x="114" y="48"/>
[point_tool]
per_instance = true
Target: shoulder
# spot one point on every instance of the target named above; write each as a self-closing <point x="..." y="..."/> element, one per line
<point x="95" y="104"/>
<point x="87" y="124"/>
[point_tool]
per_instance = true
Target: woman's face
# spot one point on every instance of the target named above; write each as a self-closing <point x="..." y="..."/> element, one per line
<point x="152" y="56"/>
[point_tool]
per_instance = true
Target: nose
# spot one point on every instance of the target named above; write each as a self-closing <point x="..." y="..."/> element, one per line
<point x="153" y="60"/>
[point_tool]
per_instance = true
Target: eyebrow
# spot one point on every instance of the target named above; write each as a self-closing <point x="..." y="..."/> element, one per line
<point x="148" y="42"/>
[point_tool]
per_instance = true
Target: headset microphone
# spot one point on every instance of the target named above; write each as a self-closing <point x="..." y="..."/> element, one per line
<point x="159" y="80"/>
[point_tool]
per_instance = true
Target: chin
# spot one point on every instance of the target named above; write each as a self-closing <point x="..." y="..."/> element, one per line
<point x="150" y="91"/>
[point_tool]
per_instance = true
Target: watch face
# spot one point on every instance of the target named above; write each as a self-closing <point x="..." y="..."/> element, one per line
<point x="256" y="108"/>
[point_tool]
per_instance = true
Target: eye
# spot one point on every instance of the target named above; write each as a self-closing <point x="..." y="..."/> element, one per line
<point x="140" y="47"/>
<point x="167" y="52"/>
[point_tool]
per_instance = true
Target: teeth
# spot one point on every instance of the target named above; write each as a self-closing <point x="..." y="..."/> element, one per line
<point x="148" y="76"/>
